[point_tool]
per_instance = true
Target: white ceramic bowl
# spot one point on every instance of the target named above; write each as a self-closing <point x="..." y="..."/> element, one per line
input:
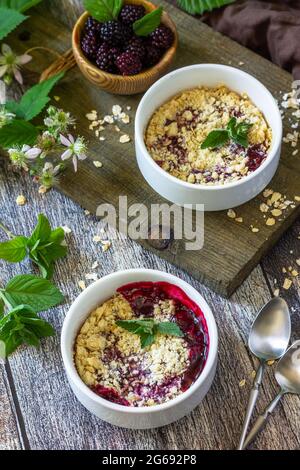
<point x="217" y="197"/>
<point x="143" y="417"/>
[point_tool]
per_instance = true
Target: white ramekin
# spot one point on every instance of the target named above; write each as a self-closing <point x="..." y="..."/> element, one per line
<point x="144" y="417"/>
<point x="217" y="197"/>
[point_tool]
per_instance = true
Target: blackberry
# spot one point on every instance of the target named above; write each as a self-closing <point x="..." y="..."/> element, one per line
<point x="129" y="63"/>
<point x="106" y="58"/>
<point x="137" y="46"/>
<point x="92" y="26"/>
<point x="131" y="13"/>
<point x="89" y="46"/>
<point x="153" y="55"/>
<point x="162" y="37"/>
<point x="115" y="33"/>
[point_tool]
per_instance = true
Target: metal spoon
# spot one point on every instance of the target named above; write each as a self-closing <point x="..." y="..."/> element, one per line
<point x="288" y="377"/>
<point x="268" y="340"/>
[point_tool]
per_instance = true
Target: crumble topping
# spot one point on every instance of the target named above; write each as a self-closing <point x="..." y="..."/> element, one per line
<point x="110" y="360"/>
<point x="178" y="128"/>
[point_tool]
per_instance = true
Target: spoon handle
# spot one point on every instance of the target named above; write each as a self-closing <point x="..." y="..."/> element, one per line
<point x="261" y="420"/>
<point x="251" y="403"/>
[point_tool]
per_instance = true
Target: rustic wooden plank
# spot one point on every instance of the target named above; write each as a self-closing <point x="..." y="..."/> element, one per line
<point x="230" y="250"/>
<point x="53" y="417"/>
<point x="9" y="435"/>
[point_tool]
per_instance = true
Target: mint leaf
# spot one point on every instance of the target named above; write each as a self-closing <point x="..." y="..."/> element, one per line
<point x="14" y="250"/>
<point x="103" y="10"/>
<point x="197" y="7"/>
<point x="18" y="132"/>
<point x="40" y="294"/>
<point x="41" y="232"/>
<point x="1" y="308"/>
<point x="9" y="20"/>
<point x="238" y="132"/>
<point x="169" y="328"/>
<point x="147" y="340"/>
<point x="215" y="139"/>
<point x="20" y="5"/>
<point x="34" y="100"/>
<point x="57" y="235"/>
<point x="22" y="325"/>
<point x="148" y="23"/>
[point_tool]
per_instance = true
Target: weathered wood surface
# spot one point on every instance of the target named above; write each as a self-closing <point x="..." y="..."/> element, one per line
<point x="49" y="416"/>
<point x="230" y="250"/>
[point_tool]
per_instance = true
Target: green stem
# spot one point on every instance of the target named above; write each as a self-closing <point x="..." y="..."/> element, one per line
<point x="6" y="230"/>
<point x="2" y="296"/>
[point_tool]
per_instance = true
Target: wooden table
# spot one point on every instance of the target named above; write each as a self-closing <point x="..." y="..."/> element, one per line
<point x="37" y="407"/>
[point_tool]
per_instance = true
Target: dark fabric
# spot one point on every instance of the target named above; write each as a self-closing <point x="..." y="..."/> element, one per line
<point x="270" y="28"/>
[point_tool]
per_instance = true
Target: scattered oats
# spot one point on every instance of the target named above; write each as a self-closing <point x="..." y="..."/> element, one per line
<point x="276" y="212"/>
<point x="295" y="152"/>
<point x="239" y="219"/>
<point x="97" y="133"/>
<point x="108" y="119"/>
<point x="43" y="189"/>
<point x="102" y="138"/>
<point x="297" y="198"/>
<point x="254" y="229"/>
<point x="95" y="265"/>
<point x="231" y="214"/>
<point x="128" y="108"/>
<point x="241" y="63"/>
<point x="253" y="374"/>
<point x="116" y="110"/>
<point x="57" y="98"/>
<point x="106" y="245"/>
<point x="82" y="285"/>
<point x="66" y="229"/>
<point x="21" y="200"/>
<point x="242" y="383"/>
<point x="124" y="139"/>
<point x="91" y="116"/>
<point x="298" y="261"/>
<point x="294" y="272"/>
<point x="276" y="292"/>
<point x="283" y="270"/>
<point x="263" y="207"/>
<point x="291" y="252"/>
<point x="270" y="363"/>
<point x="287" y="283"/>
<point x="97" y="164"/>
<point x="275" y="197"/>
<point x="91" y="276"/>
<point x="117" y="129"/>
<point x="86" y="212"/>
<point x="268" y="192"/>
<point x="97" y="239"/>
<point x="270" y="221"/>
<point x="126" y="119"/>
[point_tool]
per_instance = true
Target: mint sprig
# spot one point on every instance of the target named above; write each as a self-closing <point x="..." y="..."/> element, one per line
<point x="198" y="7"/>
<point x="148" y="329"/>
<point x="237" y="132"/>
<point x="103" y="10"/>
<point x="43" y="247"/>
<point x="148" y="23"/>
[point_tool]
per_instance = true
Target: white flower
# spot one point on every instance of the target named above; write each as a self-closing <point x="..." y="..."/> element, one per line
<point x="76" y="149"/>
<point x="20" y="156"/>
<point x="58" y="121"/>
<point x="49" y="175"/>
<point x="10" y="63"/>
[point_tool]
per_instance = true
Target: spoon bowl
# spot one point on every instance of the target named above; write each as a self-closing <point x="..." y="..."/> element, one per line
<point x="271" y="330"/>
<point x="288" y="370"/>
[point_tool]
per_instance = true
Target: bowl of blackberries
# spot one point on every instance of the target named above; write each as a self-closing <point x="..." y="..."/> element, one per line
<point x="124" y="46"/>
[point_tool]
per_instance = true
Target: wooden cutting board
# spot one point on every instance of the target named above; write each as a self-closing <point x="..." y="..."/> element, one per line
<point x="230" y="249"/>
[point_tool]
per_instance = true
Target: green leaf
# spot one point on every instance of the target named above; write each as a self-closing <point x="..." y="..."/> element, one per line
<point x="169" y="328"/>
<point x="1" y="307"/>
<point x="197" y="7"/>
<point x="103" y="10"/>
<point x="18" y="132"/>
<point x="57" y="235"/>
<point x="238" y="132"/>
<point x="41" y="232"/>
<point x="20" y="5"/>
<point x="148" y="23"/>
<point x="146" y="340"/>
<point x="35" y="99"/>
<point x="136" y="326"/>
<point x="14" y="250"/>
<point x="9" y="20"/>
<point x="215" y="139"/>
<point x="40" y="294"/>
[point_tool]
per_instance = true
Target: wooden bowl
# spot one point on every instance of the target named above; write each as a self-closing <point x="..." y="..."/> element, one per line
<point x="119" y="84"/>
